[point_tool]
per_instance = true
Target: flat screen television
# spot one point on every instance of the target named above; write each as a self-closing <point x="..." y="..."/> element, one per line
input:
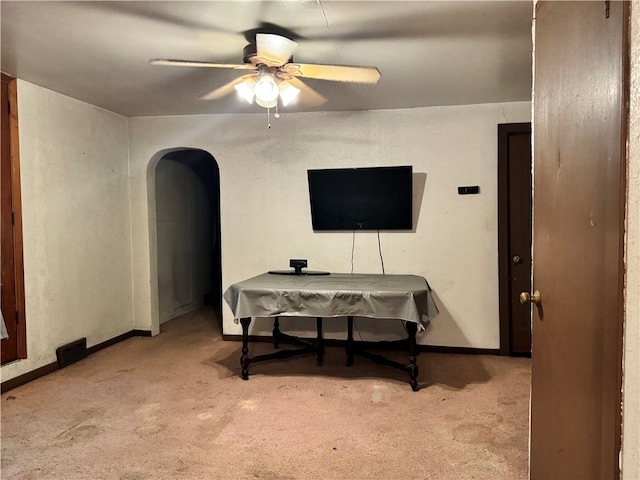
<point x="375" y="198"/>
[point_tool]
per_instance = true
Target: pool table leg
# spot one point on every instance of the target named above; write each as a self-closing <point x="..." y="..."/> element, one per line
<point x="349" y="347"/>
<point x="276" y="332"/>
<point x="244" y="360"/>
<point x="319" y="341"/>
<point x="412" y="368"/>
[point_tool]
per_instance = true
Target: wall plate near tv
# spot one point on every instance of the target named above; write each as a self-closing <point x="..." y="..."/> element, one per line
<point x="373" y="198"/>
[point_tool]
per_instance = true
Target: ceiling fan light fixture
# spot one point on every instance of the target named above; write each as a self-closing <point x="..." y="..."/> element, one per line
<point x="245" y="89"/>
<point x="266" y="90"/>
<point x="288" y="93"/>
<point x="267" y="104"/>
<point x="274" y="49"/>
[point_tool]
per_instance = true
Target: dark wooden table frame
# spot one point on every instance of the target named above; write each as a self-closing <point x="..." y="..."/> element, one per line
<point x="317" y="347"/>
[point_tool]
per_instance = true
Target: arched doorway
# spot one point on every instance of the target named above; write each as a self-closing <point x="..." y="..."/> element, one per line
<point x="184" y="196"/>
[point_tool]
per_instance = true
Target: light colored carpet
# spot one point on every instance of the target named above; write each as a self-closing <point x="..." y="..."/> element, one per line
<point x="174" y="407"/>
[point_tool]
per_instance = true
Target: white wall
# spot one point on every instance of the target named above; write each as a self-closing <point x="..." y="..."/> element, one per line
<point x="183" y="220"/>
<point x="631" y="375"/>
<point x="76" y="224"/>
<point x="265" y="218"/>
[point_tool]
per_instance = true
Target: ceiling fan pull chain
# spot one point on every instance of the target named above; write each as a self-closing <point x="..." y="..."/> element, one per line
<point x="268" y="113"/>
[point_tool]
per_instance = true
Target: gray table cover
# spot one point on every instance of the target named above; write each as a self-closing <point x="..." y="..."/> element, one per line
<point x="401" y="297"/>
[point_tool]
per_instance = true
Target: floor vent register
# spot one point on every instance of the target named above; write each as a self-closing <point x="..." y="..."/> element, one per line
<point x="71" y="352"/>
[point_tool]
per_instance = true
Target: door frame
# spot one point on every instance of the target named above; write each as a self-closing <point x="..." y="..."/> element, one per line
<point x="16" y="207"/>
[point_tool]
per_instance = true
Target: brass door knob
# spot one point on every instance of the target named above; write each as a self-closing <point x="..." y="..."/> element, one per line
<point x="525" y="297"/>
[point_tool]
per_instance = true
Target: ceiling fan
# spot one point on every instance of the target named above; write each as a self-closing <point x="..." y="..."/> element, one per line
<point x="274" y="74"/>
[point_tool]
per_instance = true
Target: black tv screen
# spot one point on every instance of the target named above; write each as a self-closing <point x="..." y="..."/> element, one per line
<point x="376" y="198"/>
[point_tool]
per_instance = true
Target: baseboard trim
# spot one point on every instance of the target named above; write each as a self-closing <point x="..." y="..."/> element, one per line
<point x="118" y="339"/>
<point x="28" y="377"/>
<point x="459" y="350"/>
<point x="52" y="367"/>
<point x="379" y="345"/>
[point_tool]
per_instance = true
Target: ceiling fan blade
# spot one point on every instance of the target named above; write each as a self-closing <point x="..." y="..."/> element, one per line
<point x="190" y="63"/>
<point x="336" y="73"/>
<point x="308" y="96"/>
<point x="274" y="50"/>
<point x="225" y="89"/>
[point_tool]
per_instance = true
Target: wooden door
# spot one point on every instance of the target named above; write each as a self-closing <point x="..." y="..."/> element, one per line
<point x="581" y="72"/>
<point x="514" y="236"/>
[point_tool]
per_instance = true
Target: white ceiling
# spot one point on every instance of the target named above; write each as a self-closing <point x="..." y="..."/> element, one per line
<point x="429" y="53"/>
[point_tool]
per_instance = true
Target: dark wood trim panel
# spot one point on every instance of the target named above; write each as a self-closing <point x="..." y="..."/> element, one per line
<point x="503" y="240"/>
<point x="118" y="339"/>
<point x="28" y="377"/>
<point x="459" y="350"/>
<point x="52" y="367"/>
<point x="504" y="131"/>
<point x="17" y="210"/>
<point x="16" y="207"/>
